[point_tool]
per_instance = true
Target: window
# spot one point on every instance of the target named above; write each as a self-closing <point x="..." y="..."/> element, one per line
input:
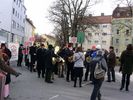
<point x="12" y="37"/>
<point x="16" y="13"/>
<point x="13" y="24"/>
<point x="116" y="50"/>
<point x="23" y="20"/>
<point x="17" y="2"/>
<point x="20" y="17"/>
<point x="96" y="33"/>
<point x="22" y="29"/>
<point x="127" y="32"/>
<point x="104" y="42"/>
<point x="128" y="14"/>
<point x="13" y="11"/>
<point x="126" y="41"/>
<point x="118" y="31"/>
<point x="17" y="26"/>
<point x="89" y="34"/>
<point x="104" y="34"/>
<point x="117" y="41"/>
<point x="96" y="41"/>
<point x="89" y="41"/>
<point x="104" y="26"/>
<point x="118" y="14"/>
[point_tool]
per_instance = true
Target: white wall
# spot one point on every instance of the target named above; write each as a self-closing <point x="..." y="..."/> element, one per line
<point x="5" y="14"/>
<point x="99" y="37"/>
<point x="28" y="30"/>
<point x="19" y="18"/>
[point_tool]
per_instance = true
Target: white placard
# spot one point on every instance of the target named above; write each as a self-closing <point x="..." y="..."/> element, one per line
<point x="14" y="50"/>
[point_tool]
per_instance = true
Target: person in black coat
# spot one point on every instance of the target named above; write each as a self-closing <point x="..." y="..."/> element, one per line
<point x="20" y="55"/>
<point x="33" y="51"/>
<point x="49" y="66"/>
<point x="69" y="64"/>
<point x="41" y="60"/>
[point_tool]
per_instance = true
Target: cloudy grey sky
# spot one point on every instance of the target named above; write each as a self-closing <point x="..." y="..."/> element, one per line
<point x="37" y="10"/>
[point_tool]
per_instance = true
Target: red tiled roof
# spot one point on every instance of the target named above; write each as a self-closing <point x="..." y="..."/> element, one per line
<point x="97" y="19"/>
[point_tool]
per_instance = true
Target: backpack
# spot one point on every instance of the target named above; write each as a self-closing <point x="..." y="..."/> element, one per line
<point x="99" y="72"/>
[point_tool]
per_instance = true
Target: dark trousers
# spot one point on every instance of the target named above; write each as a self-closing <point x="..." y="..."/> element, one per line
<point x="78" y="72"/>
<point x="110" y="72"/>
<point x="87" y="72"/>
<point x="125" y="78"/>
<point x="40" y="71"/>
<point x="70" y="70"/>
<point x="48" y="74"/>
<point x="96" y="90"/>
<point x="20" y="58"/>
<point x="32" y="64"/>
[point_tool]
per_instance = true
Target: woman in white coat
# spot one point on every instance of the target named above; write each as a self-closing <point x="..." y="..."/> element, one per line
<point x="78" y="66"/>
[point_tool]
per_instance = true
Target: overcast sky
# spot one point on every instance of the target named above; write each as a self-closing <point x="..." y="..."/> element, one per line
<point x="37" y="10"/>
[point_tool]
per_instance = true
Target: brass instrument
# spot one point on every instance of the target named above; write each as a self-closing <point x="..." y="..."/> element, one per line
<point x="70" y="59"/>
<point x="88" y="59"/>
<point x="54" y="60"/>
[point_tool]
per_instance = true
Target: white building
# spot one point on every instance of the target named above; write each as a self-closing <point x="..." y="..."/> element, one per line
<point x="29" y="31"/>
<point x="100" y="33"/>
<point x="12" y="20"/>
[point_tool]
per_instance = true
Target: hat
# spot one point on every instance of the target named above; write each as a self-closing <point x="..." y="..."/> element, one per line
<point x="98" y="47"/>
<point x="93" y="47"/>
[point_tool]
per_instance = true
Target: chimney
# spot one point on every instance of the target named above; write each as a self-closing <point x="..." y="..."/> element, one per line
<point x="118" y="5"/>
<point x="102" y="14"/>
<point x="90" y="15"/>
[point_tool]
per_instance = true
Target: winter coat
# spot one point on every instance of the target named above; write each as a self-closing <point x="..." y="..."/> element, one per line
<point x="41" y="57"/>
<point x="49" y="55"/>
<point x="111" y="59"/>
<point x="126" y="60"/>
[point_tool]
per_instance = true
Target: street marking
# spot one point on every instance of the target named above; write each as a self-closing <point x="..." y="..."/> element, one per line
<point x="87" y="83"/>
<point x="53" y="97"/>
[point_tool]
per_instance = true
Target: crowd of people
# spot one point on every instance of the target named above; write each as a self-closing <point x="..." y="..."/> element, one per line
<point x="69" y="63"/>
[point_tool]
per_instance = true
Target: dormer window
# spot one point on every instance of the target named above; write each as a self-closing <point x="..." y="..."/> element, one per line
<point x="128" y="14"/>
<point x="118" y="14"/>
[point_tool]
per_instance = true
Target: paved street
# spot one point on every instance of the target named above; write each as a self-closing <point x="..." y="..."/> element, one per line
<point x="29" y="87"/>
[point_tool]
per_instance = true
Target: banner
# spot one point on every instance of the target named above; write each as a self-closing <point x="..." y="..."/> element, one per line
<point x="14" y="50"/>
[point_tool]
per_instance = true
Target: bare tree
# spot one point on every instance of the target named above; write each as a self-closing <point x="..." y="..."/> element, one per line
<point x="69" y="14"/>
